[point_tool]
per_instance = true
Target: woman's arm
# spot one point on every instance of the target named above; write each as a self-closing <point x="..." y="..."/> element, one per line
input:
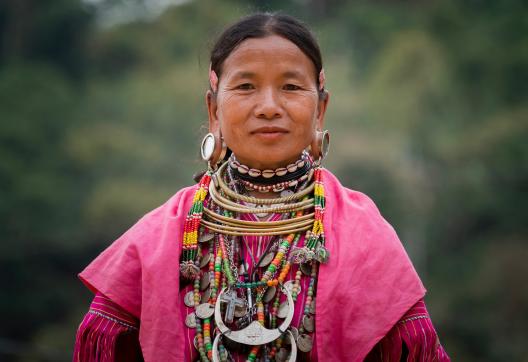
<point x="107" y="334"/>
<point x="413" y="338"/>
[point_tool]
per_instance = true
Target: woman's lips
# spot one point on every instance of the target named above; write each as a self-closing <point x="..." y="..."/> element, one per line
<point x="269" y="132"/>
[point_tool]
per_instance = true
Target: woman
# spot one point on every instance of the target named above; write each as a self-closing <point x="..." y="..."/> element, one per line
<point x="268" y="257"/>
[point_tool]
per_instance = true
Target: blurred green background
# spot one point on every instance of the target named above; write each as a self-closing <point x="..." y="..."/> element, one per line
<point x="102" y="110"/>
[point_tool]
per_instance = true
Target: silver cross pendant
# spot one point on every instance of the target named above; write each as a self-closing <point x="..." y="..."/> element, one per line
<point x="230" y="297"/>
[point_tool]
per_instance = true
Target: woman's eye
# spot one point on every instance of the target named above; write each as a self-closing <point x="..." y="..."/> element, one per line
<point x="245" y="86"/>
<point x="291" y="87"/>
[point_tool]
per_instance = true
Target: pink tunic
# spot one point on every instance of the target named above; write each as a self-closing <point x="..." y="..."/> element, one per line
<point x="368" y="285"/>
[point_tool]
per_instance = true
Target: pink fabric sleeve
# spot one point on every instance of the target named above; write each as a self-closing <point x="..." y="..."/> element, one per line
<point x="107" y="334"/>
<point x="412" y="339"/>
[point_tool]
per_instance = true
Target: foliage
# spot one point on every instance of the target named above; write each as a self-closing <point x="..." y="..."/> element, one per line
<point x="428" y="115"/>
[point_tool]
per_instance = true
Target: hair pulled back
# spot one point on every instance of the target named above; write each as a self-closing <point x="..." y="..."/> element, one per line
<point x="260" y="25"/>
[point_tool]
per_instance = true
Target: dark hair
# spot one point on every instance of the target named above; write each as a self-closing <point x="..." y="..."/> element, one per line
<point x="260" y="25"/>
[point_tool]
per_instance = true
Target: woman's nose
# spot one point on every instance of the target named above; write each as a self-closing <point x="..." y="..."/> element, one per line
<point x="268" y="104"/>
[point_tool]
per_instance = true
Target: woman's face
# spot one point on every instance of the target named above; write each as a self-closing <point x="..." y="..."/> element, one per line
<point x="267" y="107"/>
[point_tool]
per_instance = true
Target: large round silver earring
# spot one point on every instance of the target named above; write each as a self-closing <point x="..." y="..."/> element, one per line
<point x="320" y="145"/>
<point x="213" y="149"/>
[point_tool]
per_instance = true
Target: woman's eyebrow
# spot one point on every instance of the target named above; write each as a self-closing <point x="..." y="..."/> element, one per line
<point x="243" y="74"/>
<point x="293" y="74"/>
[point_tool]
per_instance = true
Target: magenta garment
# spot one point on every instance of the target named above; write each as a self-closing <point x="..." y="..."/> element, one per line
<point x="365" y="289"/>
<point x="107" y="334"/>
<point x="416" y="333"/>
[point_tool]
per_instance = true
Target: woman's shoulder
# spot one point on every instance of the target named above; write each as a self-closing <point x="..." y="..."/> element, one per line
<point x="118" y="271"/>
<point x="346" y="199"/>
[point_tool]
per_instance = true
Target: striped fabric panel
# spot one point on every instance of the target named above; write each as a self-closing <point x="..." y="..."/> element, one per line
<point x="107" y="334"/>
<point x="412" y="339"/>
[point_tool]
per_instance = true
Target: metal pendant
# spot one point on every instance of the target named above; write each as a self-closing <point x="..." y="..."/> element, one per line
<point x="232" y="301"/>
<point x="306" y="268"/>
<point x="204" y="310"/>
<point x="240" y="312"/>
<point x="204" y="281"/>
<point x="190" y="320"/>
<point x="322" y="254"/>
<point x="290" y="284"/>
<point x="282" y="355"/>
<point x="286" y="193"/>
<point x="243" y="268"/>
<point x="295" y="332"/>
<point x="261" y="215"/>
<point x="206" y="295"/>
<point x="216" y="354"/>
<point x="266" y="260"/>
<point x="255" y="334"/>
<point x="312" y="307"/>
<point x="205" y="237"/>
<point x="299" y="255"/>
<point x="283" y="310"/>
<point x="189" y="299"/>
<point x="269" y="294"/>
<point x="205" y="260"/>
<point x="305" y="342"/>
<point x="308" y="323"/>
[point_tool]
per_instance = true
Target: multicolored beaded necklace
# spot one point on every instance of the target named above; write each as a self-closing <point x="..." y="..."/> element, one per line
<point x="249" y="297"/>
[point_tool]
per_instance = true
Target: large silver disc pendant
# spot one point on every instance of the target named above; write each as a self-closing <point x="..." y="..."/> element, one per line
<point x="266" y="259"/>
<point x="206" y="295"/>
<point x="205" y="260"/>
<point x="308" y="322"/>
<point x="204" y="310"/>
<point x="254" y="334"/>
<point x="269" y="294"/>
<point x="204" y="281"/>
<point x="306" y="268"/>
<point x="305" y="342"/>
<point x="295" y="332"/>
<point x="205" y="237"/>
<point x="282" y="355"/>
<point x="189" y="299"/>
<point x="190" y="320"/>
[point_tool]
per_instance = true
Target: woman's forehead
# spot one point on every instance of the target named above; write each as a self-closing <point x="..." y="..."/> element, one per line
<point x="271" y="54"/>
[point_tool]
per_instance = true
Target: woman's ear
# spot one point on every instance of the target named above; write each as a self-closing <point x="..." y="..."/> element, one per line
<point x="212" y="107"/>
<point x="321" y="109"/>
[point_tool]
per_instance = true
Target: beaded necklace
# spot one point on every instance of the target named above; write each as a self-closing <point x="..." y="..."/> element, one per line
<point x="222" y="273"/>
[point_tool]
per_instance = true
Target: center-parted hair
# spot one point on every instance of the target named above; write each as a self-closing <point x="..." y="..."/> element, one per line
<point x="260" y="25"/>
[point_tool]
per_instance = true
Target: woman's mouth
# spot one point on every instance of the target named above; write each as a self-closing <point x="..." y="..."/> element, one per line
<point x="269" y="132"/>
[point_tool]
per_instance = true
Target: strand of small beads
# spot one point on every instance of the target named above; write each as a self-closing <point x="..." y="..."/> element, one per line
<point x="315" y="240"/>
<point x="207" y="338"/>
<point x="228" y="272"/>
<point x="252" y="357"/>
<point x="199" y="330"/>
<point x="306" y="326"/>
<point x="188" y="267"/>
<point x="217" y="275"/>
